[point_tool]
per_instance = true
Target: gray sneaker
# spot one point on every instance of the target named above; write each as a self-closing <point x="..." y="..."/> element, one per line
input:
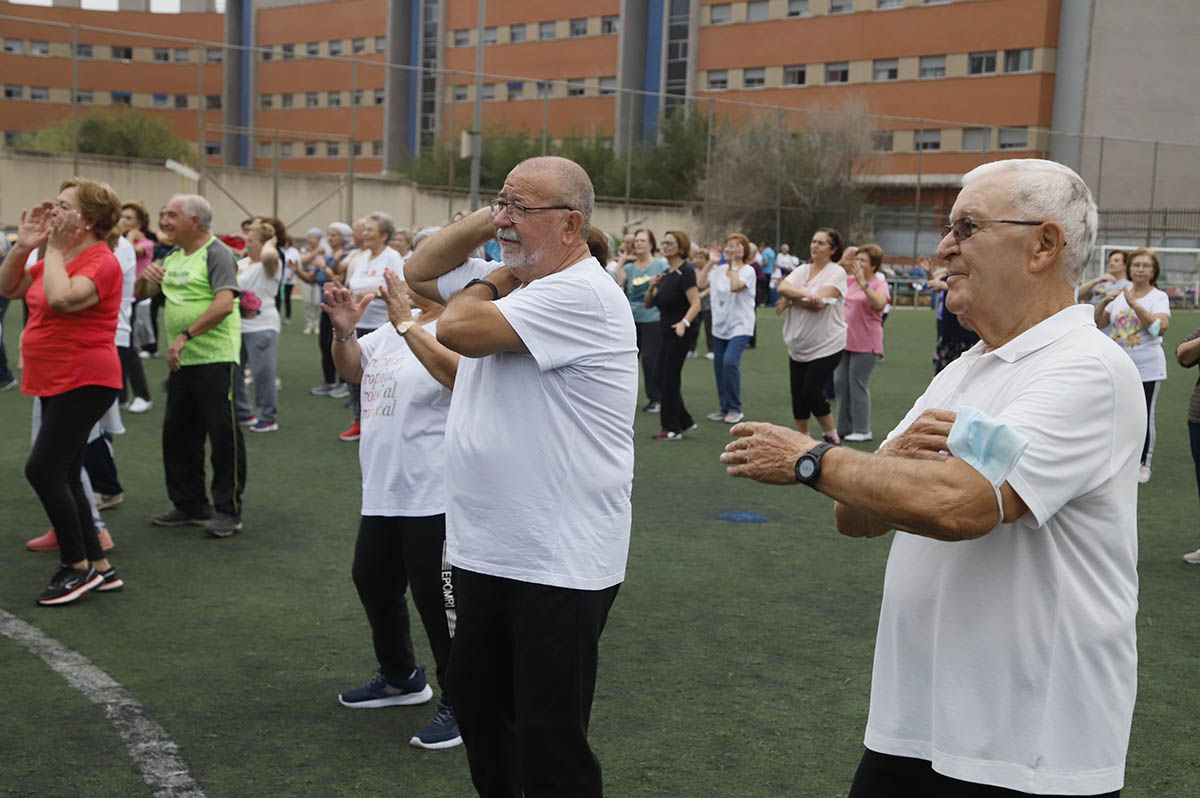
<point x="223" y="525"/>
<point x="178" y="517"/>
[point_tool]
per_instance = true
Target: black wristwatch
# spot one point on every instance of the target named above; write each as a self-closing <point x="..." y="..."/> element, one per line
<point x="808" y="467"/>
<point x="477" y="281"/>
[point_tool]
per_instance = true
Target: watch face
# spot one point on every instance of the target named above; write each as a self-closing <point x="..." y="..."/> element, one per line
<point x="806" y="468"/>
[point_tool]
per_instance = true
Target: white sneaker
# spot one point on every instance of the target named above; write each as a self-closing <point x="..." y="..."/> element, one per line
<point x="140" y="405"/>
<point x="144" y="355"/>
<point x="734" y="417"/>
<point x="709" y="355"/>
<point x="858" y="437"/>
<point x="1144" y="474"/>
<point x="1192" y="557"/>
<point x="716" y="415"/>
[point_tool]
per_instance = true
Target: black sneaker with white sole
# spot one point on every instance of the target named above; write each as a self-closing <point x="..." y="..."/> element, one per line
<point x="67" y="585"/>
<point x="384" y="692"/>
<point x="441" y="732"/>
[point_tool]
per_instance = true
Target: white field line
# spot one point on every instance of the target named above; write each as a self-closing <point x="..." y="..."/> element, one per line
<point x="154" y="753"/>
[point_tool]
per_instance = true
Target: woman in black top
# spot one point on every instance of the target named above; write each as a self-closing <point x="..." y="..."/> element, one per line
<point x="677" y="298"/>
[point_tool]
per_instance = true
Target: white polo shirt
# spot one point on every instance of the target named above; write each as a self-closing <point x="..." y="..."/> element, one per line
<point x="732" y="311"/>
<point x="539" y="446"/>
<point x="1011" y="660"/>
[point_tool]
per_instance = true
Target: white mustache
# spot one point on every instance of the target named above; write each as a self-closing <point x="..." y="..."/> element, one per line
<point x="504" y="235"/>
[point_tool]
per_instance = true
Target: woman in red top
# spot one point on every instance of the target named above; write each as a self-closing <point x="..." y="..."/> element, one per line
<point x="71" y="365"/>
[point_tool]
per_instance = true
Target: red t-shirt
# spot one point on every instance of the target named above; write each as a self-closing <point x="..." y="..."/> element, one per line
<point x="64" y="351"/>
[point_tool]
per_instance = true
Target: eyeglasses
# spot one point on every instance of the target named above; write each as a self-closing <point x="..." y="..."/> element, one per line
<point x="966" y="227"/>
<point x="517" y="212"/>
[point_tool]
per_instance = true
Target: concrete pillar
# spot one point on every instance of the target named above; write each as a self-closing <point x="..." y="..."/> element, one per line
<point x="239" y="81"/>
<point x="631" y="74"/>
<point x="400" y="111"/>
<point x="1070" y="81"/>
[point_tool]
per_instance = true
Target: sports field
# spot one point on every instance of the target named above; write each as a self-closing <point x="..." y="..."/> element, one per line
<point x="736" y="662"/>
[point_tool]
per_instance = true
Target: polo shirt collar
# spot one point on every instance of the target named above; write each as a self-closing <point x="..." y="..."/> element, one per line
<point x="1046" y="332"/>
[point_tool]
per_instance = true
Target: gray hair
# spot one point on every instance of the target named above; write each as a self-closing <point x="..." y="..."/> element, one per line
<point x="424" y="233"/>
<point x="385" y="223"/>
<point x="198" y="208"/>
<point x="573" y="183"/>
<point x="342" y="229"/>
<point x="1050" y="191"/>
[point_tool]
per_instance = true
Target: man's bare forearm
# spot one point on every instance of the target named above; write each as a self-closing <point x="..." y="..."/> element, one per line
<point x="447" y="250"/>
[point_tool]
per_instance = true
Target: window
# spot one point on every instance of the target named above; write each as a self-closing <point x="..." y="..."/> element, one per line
<point x="84" y="97"/>
<point x="212" y="102"/>
<point x="546" y="31"/>
<point x="882" y="140"/>
<point x="377" y="148"/>
<point x="39" y="48"/>
<point x="181" y="101"/>
<point x="39" y="94"/>
<point x="837" y="72"/>
<point x="12" y="45"/>
<point x="886" y="69"/>
<point x="356" y="149"/>
<point x="266" y="101"/>
<point x="335" y="47"/>
<point x="311" y="100"/>
<point x="578" y="27"/>
<point x="516" y="33"/>
<point x="83" y="50"/>
<point x="720" y="14"/>
<point x="333" y="149"/>
<point x="358" y="46"/>
<point x="287" y="100"/>
<point x="460" y="93"/>
<point x="718" y="79"/>
<point x="575" y="87"/>
<point x="610" y="25"/>
<point x="14" y="92"/>
<point x="794" y="75"/>
<point x="264" y="149"/>
<point x="333" y="99"/>
<point x="754" y="78"/>
<point x="608" y="86"/>
<point x="490" y="36"/>
<point x="161" y="100"/>
<point x="379" y="96"/>
<point x="889" y="4"/>
<point x="798" y="8"/>
<point x="312" y="49"/>
<point x="356" y="97"/>
<point x="380" y="44"/>
<point x="310" y="149"/>
<point x="214" y="55"/>
<point x="1013" y="138"/>
<point x="489" y="92"/>
<point x="212" y="148"/>
<point x="287" y="51"/>
<point x="181" y="55"/>
<point x="841" y="6"/>
<point x="1018" y="60"/>
<point x="927" y="140"/>
<point x="122" y="53"/>
<point x="982" y="63"/>
<point x="932" y="66"/>
<point x="757" y="11"/>
<point x="462" y="37"/>
<point x="266" y="53"/>
<point x="516" y="90"/>
<point x="162" y="54"/>
<point x="122" y="98"/>
<point x="285" y="150"/>
<point x="975" y="139"/>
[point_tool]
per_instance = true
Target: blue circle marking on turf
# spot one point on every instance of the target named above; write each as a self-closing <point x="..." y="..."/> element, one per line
<point x="739" y="517"/>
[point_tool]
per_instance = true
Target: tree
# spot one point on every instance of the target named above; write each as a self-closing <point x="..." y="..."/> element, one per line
<point x="128" y="134"/>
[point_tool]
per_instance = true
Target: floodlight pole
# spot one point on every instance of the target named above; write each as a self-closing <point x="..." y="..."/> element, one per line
<point x="477" y="133"/>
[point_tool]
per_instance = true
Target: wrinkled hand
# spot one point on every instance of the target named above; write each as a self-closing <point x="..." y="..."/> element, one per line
<point x="925" y="439"/>
<point x="395" y="296"/>
<point x="175" y="352"/>
<point x="35" y="227"/>
<point x="344" y="312"/>
<point x="765" y="452"/>
<point x="154" y="273"/>
<point x="67" y="229"/>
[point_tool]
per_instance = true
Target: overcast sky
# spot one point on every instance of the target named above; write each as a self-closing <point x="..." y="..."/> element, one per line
<point x="164" y="6"/>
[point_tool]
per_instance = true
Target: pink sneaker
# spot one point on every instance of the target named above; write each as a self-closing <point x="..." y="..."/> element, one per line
<point x="49" y="541"/>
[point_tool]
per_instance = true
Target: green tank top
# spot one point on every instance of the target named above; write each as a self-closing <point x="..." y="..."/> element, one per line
<point x="188" y="290"/>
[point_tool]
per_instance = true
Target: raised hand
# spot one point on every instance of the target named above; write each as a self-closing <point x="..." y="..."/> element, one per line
<point x="395" y="296"/>
<point x="344" y="312"/>
<point x="154" y="273"/>
<point x="67" y="230"/>
<point x="35" y="228"/>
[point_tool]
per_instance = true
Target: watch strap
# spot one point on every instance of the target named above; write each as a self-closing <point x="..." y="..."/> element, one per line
<point x="491" y="285"/>
<point x="815" y="454"/>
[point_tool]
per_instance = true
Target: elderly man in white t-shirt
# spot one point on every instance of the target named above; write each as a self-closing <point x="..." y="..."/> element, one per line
<point x="539" y="470"/>
<point x="1006" y="661"/>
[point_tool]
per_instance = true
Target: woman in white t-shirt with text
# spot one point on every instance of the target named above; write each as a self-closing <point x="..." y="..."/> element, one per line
<point x="259" y="273"/>
<point x="367" y="278"/>
<point x="731" y="291"/>
<point x="1136" y="318"/>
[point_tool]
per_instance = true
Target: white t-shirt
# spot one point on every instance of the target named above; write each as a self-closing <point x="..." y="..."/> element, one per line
<point x="127" y="257"/>
<point x="403" y="429"/>
<point x="732" y="313"/>
<point x="813" y="334"/>
<point x="290" y="255"/>
<point x="367" y="276"/>
<point x="1126" y="329"/>
<point x="252" y="277"/>
<point x="539" y="446"/>
<point x="1011" y="659"/>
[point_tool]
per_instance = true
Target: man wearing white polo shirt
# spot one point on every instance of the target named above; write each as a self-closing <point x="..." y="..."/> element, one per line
<point x="1006" y="660"/>
<point x="539" y="470"/>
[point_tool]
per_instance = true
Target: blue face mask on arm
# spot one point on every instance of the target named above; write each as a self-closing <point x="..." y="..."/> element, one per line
<point x="988" y="445"/>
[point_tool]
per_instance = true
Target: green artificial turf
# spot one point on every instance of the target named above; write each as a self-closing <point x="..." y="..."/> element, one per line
<point x="736" y="661"/>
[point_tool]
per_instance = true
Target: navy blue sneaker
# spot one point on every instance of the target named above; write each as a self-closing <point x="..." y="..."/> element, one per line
<point x="383" y="692"/>
<point x="441" y="732"/>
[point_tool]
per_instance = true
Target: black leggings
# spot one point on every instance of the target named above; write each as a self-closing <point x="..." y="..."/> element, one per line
<point x="284" y="299"/>
<point x="133" y="376"/>
<point x="55" y="463"/>
<point x="392" y="553"/>
<point x="671" y="355"/>
<point x="325" y="344"/>
<point x="887" y="776"/>
<point x="808" y="385"/>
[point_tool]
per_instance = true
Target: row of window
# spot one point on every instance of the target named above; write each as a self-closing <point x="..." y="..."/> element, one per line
<point x="319" y="149"/>
<point x="974" y="139"/>
<point x="312" y="99"/>
<point x="882" y="69"/>
<point x="546" y="31"/>
<point x="184" y="55"/>
<point x="576" y="87"/>
<point x="759" y="10"/>
<point x="161" y="100"/>
<point x="333" y="47"/>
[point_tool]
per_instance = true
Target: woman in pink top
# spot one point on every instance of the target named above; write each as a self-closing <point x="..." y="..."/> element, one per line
<point x="866" y="297"/>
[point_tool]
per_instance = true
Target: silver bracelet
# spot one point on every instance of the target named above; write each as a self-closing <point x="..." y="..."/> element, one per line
<point x="353" y="332"/>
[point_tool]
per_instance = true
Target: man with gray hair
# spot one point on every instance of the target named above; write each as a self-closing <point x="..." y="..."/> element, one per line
<point x="539" y="470"/>
<point x="199" y="281"/>
<point x="1005" y="660"/>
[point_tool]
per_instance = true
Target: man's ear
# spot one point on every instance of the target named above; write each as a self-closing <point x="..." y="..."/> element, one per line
<point x="573" y="227"/>
<point x="1048" y="246"/>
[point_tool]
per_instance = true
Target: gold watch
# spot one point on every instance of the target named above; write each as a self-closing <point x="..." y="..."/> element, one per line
<point x="403" y="327"/>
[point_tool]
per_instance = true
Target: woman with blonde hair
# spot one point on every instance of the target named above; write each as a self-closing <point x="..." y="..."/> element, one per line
<point x="259" y="275"/>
